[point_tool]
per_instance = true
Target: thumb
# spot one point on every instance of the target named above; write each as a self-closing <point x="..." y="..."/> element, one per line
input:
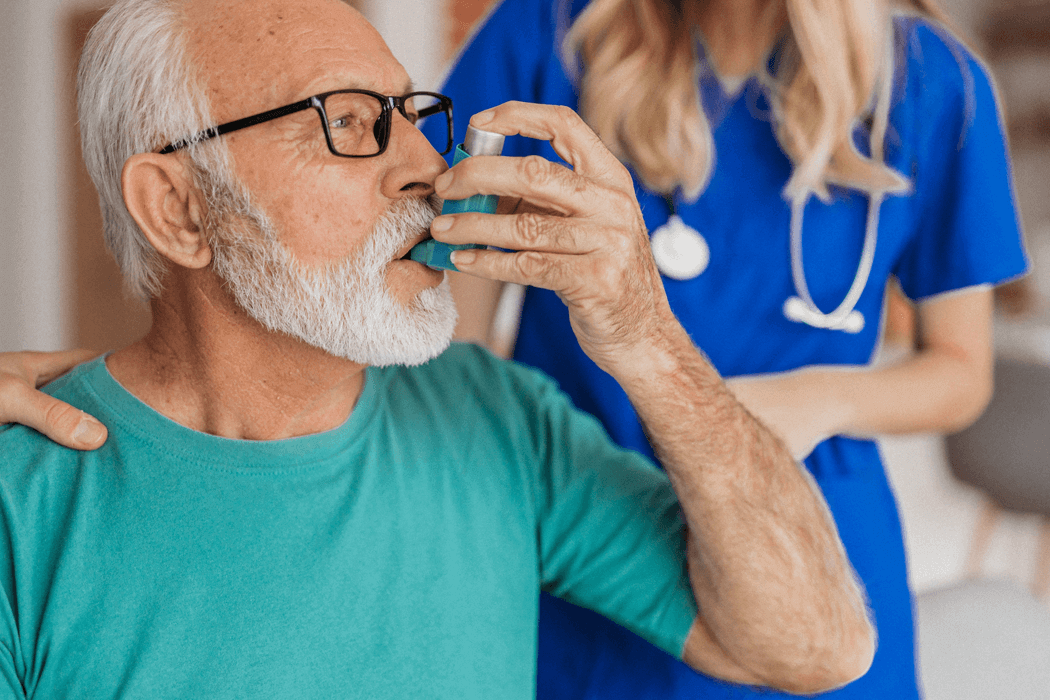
<point x="66" y="425"/>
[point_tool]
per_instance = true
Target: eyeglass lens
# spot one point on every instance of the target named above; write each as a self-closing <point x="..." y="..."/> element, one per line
<point x="356" y="127"/>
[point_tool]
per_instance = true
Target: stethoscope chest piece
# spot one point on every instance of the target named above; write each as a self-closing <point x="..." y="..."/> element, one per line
<point x="680" y="251"/>
<point x="797" y="310"/>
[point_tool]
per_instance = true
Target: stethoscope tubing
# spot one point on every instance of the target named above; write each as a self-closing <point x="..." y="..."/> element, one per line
<point x="801" y="307"/>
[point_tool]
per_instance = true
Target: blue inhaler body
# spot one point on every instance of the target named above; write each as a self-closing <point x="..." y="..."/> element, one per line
<point x="436" y="254"/>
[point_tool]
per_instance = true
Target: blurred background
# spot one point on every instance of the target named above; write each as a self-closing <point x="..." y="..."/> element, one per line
<point x="975" y="507"/>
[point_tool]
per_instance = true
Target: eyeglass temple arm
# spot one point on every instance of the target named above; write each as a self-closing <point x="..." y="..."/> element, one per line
<point x="236" y="125"/>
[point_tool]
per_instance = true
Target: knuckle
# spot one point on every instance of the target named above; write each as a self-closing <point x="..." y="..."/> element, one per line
<point x="529" y="228"/>
<point x="564" y="238"/>
<point x="532" y="265"/>
<point x="566" y="114"/>
<point x="620" y="248"/>
<point x="622" y="245"/>
<point x="534" y="169"/>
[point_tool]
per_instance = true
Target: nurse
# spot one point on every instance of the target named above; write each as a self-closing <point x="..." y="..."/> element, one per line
<point x="790" y="158"/>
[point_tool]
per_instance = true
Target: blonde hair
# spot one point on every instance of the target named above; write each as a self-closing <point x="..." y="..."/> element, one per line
<point x="638" y="90"/>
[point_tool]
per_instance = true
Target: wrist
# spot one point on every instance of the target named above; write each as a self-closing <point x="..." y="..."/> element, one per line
<point x="834" y="404"/>
<point x="665" y="356"/>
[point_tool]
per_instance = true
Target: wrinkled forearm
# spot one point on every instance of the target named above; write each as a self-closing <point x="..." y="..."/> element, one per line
<point x="771" y="578"/>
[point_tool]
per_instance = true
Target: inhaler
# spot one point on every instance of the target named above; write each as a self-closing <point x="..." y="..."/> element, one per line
<point x="436" y="254"/>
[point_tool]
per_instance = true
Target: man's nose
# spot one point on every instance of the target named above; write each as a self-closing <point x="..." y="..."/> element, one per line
<point x="416" y="163"/>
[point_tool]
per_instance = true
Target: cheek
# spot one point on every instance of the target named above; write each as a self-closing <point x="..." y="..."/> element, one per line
<point x="320" y="214"/>
<point x="320" y="226"/>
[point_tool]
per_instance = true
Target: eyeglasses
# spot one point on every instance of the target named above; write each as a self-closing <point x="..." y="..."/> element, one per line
<point x="356" y="123"/>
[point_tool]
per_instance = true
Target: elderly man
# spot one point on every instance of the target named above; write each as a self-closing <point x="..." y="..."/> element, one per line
<point x="303" y="493"/>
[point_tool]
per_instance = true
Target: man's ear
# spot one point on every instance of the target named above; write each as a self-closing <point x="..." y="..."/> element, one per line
<point x="160" y="196"/>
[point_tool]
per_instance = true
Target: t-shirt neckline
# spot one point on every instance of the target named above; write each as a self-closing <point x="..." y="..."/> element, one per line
<point x="123" y="411"/>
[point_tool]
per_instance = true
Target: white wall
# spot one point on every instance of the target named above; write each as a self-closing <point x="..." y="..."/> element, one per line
<point x="10" y="81"/>
<point x="33" y="270"/>
<point x="415" y="31"/>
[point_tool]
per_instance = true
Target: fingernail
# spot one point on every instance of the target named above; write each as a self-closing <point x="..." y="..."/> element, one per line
<point x="88" y="432"/>
<point x="463" y="257"/>
<point x="482" y="117"/>
<point x="444" y="180"/>
<point x="441" y="223"/>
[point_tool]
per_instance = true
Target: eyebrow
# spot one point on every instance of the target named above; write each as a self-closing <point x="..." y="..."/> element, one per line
<point x="409" y="86"/>
<point x="341" y="81"/>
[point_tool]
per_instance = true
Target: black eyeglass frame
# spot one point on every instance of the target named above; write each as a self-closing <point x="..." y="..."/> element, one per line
<point x="382" y="126"/>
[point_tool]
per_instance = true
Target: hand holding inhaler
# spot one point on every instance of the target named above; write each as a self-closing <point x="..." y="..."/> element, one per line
<point x="578" y="232"/>
<point x="434" y="253"/>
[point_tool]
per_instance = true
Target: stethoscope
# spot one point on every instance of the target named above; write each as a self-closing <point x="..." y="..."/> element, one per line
<point x="682" y="253"/>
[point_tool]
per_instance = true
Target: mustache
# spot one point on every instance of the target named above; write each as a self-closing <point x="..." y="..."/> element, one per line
<point x="412" y="215"/>
<point x="405" y="221"/>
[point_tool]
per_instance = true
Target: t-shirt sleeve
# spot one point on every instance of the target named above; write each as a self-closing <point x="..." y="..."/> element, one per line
<point x="610" y="530"/>
<point x="968" y="233"/>
<point x="512" y="55"/>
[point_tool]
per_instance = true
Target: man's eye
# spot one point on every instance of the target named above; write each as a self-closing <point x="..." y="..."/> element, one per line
<point x="344" y="122"/>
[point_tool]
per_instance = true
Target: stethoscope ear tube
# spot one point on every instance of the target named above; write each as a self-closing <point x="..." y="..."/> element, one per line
<point x="681" y="252"/>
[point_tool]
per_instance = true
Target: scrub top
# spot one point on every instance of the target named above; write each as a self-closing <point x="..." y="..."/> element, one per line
<point x="956" y="228"/>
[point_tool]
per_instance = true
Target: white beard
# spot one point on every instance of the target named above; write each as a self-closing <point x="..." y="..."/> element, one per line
<point x="343" y="308"/>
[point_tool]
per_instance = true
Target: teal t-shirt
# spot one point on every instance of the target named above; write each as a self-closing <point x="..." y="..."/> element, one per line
<point x="400" y="555"/>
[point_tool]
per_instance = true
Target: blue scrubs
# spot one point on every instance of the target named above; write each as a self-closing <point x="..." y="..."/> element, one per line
<point x="956" y="229"/>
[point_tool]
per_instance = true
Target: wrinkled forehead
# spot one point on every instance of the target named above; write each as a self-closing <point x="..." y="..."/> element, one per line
<point x="254" y="55"/>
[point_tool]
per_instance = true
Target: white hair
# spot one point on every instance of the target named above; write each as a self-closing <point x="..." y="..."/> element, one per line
<point x="136" y="92"/>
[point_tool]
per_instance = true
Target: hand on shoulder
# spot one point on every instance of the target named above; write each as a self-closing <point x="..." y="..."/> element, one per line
<point x="21" y="401"/>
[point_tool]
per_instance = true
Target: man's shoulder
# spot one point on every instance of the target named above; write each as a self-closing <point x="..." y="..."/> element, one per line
<point x="25" y="453"/>
<point x="468" y="381"/>
<point x="20" y="446"/>
<point x="464" y="358"/>
<point x="469" y="367"/>
<point x="73" y="387"/>
<point x="36" y="475"/>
